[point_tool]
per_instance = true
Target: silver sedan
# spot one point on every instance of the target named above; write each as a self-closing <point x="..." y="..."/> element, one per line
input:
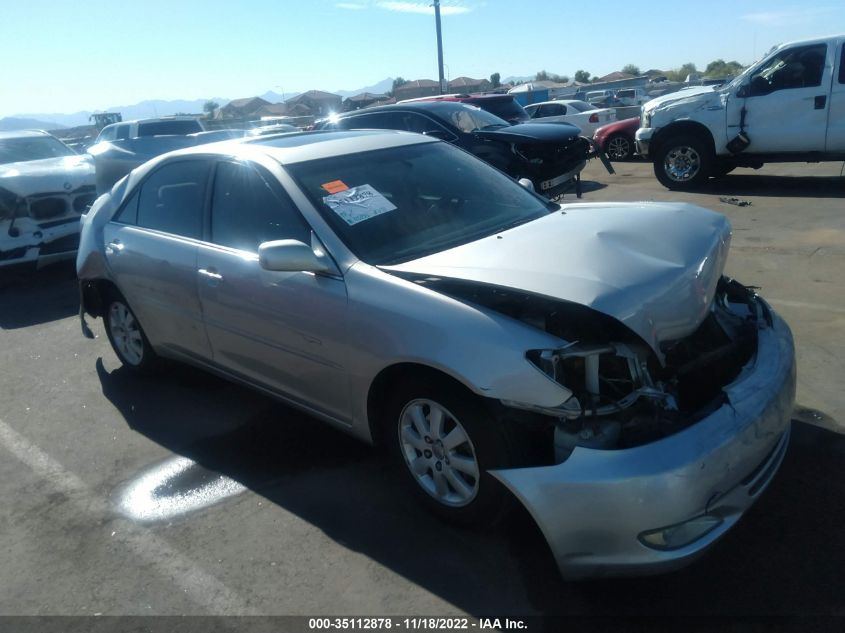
<point x="589" y="361"/>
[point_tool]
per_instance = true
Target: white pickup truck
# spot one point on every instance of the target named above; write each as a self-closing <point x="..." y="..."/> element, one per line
<point x="789" y="107"/>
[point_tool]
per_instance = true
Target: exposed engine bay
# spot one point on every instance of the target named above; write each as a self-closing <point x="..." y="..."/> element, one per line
<point x="622" y="394"/>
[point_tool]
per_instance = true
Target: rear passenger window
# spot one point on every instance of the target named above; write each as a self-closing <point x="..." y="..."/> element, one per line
<point x="248" y="207"/>
<point x="172" y="198"/>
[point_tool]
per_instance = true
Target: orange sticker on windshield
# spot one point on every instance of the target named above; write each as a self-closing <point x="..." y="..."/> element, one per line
<point x="334" y="186"/>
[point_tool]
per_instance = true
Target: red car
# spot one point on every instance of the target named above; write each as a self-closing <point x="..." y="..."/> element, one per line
<point x="617" y="139"/>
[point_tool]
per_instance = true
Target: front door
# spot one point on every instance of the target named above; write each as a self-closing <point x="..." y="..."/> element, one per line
<point x="787" y="103"/>
<point x="284" y="330"/>
<point x="836" y="116"/>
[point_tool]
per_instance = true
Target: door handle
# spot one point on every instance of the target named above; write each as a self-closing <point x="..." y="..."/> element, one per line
<point x="820" y="102"/>
<point x="114" y="247"/>
<point x="212" y="276"/>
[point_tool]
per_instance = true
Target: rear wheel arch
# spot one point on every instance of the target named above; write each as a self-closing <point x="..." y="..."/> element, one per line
<point x="96" y="294"/>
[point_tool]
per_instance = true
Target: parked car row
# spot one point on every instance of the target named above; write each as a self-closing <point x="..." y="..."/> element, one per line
<point x="589" y="361"/>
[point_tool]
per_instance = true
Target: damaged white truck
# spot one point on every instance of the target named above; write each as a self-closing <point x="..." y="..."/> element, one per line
<point x="44" y="188"/>
<point x="789" y="107"/>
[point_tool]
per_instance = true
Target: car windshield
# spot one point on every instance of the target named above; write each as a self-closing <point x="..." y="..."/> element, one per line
<point x="507" y="109"/>
<point x="469" y="118"/>
<point x="22" y="149"/>
<point x="398" y="204"/>
<point x="581" y="106"/>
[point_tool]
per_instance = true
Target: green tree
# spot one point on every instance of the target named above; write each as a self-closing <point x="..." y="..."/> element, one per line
<point x="496" y="80"/>
<point x="547" y="76"/>
<point x="397" y="83"/>
<point x="582" y="76"/>
<point x="631" y="69"/>
<point x="720" y="68"/>
<point x="209" y="107"/>
<point x="680" y="74"/>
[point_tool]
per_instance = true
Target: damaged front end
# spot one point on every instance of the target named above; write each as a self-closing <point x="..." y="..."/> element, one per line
<point x="553" y="168"/>
<point x="43" y="227"/>
<point x="623" y="396"/>
<point x="653" y="457"/>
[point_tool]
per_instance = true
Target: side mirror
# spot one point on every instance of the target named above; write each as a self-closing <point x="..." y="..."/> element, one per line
<point x="743" y="91"/>
<point x="527" y="184"/>
<point x="291" y="256"/>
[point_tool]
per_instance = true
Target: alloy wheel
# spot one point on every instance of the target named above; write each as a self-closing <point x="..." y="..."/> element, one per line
<point x="619" y="148"/>
<point x="126" y="333"/>
<point x="439" y="453"/>
<point x="682" y="163"/>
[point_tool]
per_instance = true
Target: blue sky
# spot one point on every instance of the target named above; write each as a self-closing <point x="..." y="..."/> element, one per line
<point x="64" y="56"/>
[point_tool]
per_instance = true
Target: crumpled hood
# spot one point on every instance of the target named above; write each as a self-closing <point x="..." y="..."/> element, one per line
<point x="531" y="133"/>
<point x="652" y="266"/>
<point x="693" y="98"/>
<point x="65" y="173"/>
<point x="678" y="95"/>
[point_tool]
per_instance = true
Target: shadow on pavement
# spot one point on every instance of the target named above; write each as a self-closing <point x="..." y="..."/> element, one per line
<point x="784" y="558"/>
<point x="743" y="183"/>
<point x="31" y="297"/>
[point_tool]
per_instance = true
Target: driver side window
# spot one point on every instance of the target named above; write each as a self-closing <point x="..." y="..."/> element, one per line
<point x="800" y="67"/>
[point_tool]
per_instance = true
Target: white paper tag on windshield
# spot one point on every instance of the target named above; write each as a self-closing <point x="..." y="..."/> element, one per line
<point x="357" y="204"/>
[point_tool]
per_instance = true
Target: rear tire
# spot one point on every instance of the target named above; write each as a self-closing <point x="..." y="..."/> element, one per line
<point x="126" y="335"/>
<point x="445" y="441"/>
<point x="683" y="162"/>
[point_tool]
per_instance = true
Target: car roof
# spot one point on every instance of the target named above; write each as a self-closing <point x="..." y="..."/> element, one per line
<point x="289" y="148"/>
<point x="438" y="106"/>
<point x="154" y="120"/>
<point x="555" y="101"/>
<point x="23" y="134"/>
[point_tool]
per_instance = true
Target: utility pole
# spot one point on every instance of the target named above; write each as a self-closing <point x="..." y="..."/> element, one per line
<point x="439" y="47"/>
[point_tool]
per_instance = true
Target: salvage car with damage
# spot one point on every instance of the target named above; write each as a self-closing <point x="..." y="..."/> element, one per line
<point x="589" y="361"/>
<point x="44" y="188"/>
<point x="550" y="156"/>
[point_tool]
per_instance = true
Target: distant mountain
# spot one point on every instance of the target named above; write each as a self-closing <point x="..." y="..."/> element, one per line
<point x="275" y="97"/>
<point x="158" y="107"/>
<point x="142" y="110"/>
<point x="14" y="123"/>
<point x="379" y="88"/>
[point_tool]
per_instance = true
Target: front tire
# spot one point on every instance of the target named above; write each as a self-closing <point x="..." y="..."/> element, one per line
<point x="126" y="336"/>
<point x="683" y="162"/>
<point x="445" y="441"/>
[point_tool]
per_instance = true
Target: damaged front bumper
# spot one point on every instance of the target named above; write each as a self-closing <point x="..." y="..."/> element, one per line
<point x="656" y="507"/>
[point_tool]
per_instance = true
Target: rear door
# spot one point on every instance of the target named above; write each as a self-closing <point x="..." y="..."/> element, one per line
<point x="151" y="249"/>
<point x="283" y="330"/>
<point x="836" y="114"/>
<point x="788" y="102"/>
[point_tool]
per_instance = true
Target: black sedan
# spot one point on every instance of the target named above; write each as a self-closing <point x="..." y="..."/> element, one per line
<point x="550" y="156"/>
